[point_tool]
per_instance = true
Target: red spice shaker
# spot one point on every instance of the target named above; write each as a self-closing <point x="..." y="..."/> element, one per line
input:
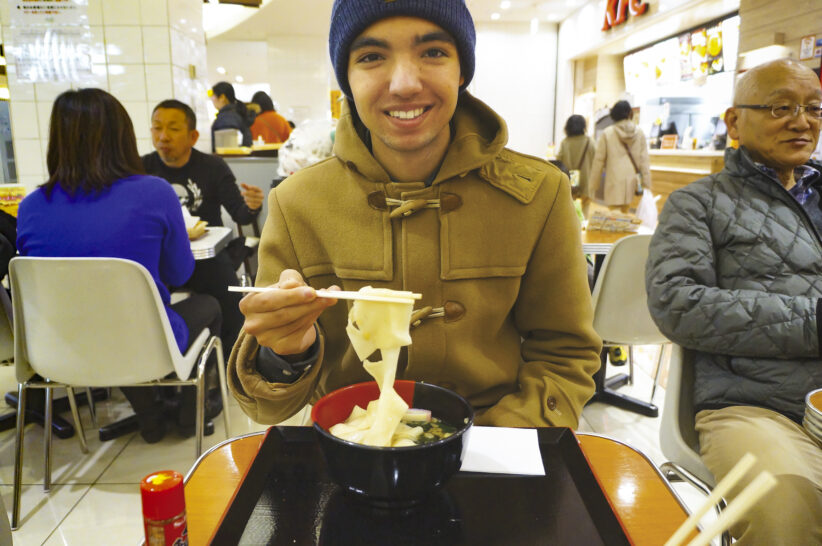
<point x="164" y="509"/>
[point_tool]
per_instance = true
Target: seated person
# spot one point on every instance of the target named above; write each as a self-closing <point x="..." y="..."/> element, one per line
<point x="203" y="183"/>
<point x="268" y="125"/>
<point x="505" y="317"/>
<point x="97" y="201"/>
<point x="733" y="274"/>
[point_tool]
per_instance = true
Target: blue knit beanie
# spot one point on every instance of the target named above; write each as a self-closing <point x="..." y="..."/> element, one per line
<point x="349" y="18"/>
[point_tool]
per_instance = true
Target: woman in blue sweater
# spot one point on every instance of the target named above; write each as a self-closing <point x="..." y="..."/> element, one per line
<point x="97" y="202"/>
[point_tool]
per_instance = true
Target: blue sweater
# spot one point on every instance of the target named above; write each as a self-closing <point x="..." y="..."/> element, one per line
<point x="138" y="218"/>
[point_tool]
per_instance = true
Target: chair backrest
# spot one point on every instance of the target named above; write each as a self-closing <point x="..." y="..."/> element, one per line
<point x="620" y="305"/>
<point x="677" y="437"/>
<point x="90" y="321"/>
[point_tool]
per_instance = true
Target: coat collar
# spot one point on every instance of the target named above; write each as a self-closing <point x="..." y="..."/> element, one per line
<point x="479" y="136"/>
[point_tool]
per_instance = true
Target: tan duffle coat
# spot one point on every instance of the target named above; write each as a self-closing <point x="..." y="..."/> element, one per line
<point x="493" y="246"/>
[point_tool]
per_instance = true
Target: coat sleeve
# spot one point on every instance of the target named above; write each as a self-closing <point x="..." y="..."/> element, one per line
<point x="562" y="153"/>
<point x="691" y="309"/>
<point x="554" y="315"/>
<point x="595" y="178"/>
<point x="263" y="401"/>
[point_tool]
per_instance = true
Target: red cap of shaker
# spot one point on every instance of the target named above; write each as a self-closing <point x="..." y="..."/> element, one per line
<point x="163" y="495"/>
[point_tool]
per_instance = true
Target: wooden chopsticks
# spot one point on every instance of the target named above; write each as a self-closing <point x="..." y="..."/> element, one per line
<point x="397" y="296"/>
<point x="755" y="490"/>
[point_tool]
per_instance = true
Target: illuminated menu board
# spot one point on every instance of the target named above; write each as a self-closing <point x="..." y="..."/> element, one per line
<point x="691" y="56"/>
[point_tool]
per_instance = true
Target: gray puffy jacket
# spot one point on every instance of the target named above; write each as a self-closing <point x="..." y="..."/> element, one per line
<point x="735" y="273"/>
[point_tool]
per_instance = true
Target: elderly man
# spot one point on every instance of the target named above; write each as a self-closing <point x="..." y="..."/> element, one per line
<point x="735" y="274"/>
<point x="422" y="195"/>
<point x="203" y="183"/>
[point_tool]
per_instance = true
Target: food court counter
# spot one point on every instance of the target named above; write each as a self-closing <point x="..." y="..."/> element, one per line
<point x="674" y="169"/>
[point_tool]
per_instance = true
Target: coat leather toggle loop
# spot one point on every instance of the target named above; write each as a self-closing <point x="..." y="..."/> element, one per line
<point x="449" y="202"/>
<point x="376" y="200"/>
<point x="453" y="311"/>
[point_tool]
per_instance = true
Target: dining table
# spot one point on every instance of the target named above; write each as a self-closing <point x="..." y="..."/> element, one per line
<point x="209" y="244"/>
<point x="648" y="509"/>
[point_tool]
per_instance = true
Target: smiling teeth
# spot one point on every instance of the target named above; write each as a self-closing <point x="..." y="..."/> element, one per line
<point x="410" y="114"/>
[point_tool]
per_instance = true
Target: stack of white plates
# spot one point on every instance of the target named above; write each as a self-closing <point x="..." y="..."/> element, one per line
<point x="813" y="414"/>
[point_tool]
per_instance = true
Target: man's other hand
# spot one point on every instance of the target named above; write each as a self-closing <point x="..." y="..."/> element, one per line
<point x="252" y="195"/>
<point x="283" y="319"/>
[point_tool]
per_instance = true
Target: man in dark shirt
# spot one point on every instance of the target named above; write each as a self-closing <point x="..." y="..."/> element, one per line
<point x="203" y="184"/>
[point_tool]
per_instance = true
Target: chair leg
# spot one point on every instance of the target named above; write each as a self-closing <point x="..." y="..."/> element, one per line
<point x="91" y="408"/>
<point x="218" y="347"/>
<point x="75" y="414"/>
<point x="18" y="455"/>
<point x="47" y="440"/>
<point x="630" y="364"/>
<point x="658" y="370"/>
<point x="199" y="420"/>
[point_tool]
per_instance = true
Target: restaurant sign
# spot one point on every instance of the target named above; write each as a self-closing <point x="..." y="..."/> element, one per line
<point x="616" y="11"/>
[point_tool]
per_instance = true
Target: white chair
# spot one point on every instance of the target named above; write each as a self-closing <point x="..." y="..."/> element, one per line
<point x="97" y="322"/>
<point x="677" y="436"/>
<point x="621" y="314"/>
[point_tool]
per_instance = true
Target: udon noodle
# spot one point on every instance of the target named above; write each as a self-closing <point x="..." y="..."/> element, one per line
<point x="379" y="326"/>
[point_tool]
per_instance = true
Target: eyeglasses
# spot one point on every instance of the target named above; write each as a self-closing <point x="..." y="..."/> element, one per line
<point x="782" y="109"/>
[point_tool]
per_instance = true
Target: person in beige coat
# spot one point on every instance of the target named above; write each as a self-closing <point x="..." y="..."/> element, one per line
<point x="421" y="195"/>
<point x="622" y="156"/>
<point x="577" y="152"/>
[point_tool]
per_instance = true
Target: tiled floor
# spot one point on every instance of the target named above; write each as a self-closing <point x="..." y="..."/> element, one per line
<point x="95" y="497"/>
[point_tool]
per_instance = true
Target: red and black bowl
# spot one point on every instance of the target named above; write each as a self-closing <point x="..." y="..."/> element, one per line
<point x="393" y="476"/>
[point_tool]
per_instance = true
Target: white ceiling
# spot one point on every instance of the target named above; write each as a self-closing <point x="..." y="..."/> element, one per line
<point x="312" y="16"/>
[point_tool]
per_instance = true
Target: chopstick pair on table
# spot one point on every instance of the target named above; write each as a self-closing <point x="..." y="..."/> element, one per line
<point x="743" y="502"/>
<point x="400" y="297"/>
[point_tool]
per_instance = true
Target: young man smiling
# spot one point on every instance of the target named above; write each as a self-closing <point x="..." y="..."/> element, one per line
<point x="422" y="195"/>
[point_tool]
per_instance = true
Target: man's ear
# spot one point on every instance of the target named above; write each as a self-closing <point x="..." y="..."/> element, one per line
<point x="462" y="80"/>
<point x="731" y="122"/>
<point x="193" y="136"/>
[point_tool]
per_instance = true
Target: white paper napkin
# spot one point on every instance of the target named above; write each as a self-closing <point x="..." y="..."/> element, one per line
<point x="190" y="220"/>
<point x="504" y="451"/>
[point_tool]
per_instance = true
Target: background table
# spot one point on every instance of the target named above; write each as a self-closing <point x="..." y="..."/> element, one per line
<point x="211" y="243"/>
<point x="641" y="497"/>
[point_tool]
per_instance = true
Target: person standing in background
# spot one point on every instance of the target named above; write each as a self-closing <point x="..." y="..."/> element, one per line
<point x="576" y="152"/>
<point x="268" y="124"/>
<point x="622" y="156"/>
<point x="231" y="113"/>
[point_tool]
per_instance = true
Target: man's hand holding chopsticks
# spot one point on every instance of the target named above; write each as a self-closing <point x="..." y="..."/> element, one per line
<point x="283" y="319"/>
